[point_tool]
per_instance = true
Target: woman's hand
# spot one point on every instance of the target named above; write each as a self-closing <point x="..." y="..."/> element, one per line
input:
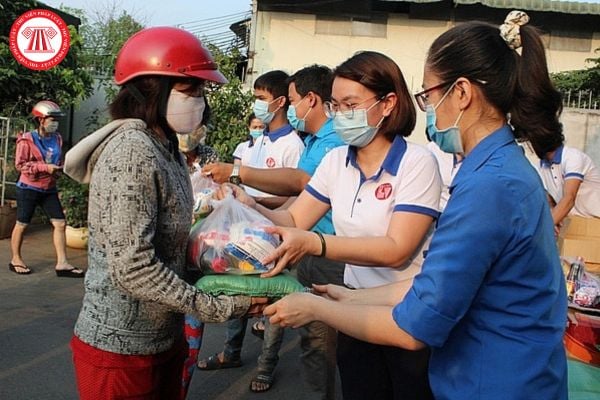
<point x="54" y="169"/>
<point x="295" y="243"/>
<point x="239" y="193"/>
<point x="294" y="310"/>
<point x="335" y="292"/>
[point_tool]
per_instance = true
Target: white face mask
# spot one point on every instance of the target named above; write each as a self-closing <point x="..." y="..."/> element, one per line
<point x="184" y="113"/>
<point x="51" y="126"/>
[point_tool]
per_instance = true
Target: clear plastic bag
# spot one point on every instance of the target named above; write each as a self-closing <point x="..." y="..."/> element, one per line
<point x="231" y="240"/>
<point x="203" y="189"/>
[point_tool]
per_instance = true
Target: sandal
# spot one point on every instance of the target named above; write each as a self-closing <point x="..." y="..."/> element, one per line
<point x="261" y="383"/>
<point x="70" y="273"/>
<point x="258" y="329"/>
<point x="213" y="362"/>
<point x="19" y="269"/>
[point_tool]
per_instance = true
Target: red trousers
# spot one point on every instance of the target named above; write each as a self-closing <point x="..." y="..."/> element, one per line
<point x="102" y="375"/>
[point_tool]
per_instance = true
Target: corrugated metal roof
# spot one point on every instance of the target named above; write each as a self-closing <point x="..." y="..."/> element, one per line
<point x="568" y="6"/>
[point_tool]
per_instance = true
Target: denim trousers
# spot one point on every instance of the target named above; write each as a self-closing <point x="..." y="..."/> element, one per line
<point x="234" y="338"/>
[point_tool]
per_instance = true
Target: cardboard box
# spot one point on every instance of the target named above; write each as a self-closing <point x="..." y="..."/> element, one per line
<point x="586" y="247"/>
<point x="581" y="227"/>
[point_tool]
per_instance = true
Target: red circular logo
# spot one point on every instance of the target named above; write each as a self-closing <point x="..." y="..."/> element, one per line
<point x="39" y="39"/>
<point x="383" y="191"/>
<point x="270" y="162"/>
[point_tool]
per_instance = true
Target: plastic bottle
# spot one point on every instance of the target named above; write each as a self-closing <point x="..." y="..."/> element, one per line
<point x="574" y="276"/>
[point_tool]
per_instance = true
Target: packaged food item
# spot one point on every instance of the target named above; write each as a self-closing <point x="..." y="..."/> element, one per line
<point x="231" y="240"/>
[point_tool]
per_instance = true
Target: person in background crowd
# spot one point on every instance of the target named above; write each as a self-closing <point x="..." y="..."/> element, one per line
<point x="491" y="296"/>
<point x="384" y="194"/>
<point x="197" y="153"/>
<point x="572" y="180"/>
<point x="279" y="146"/>
<point x="129" y="337"/>
<point x="39" y="161"/>
<point x="256" y="128"/>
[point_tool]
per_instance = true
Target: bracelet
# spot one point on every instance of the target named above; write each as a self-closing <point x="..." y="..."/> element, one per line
<point x="323" y="244"/>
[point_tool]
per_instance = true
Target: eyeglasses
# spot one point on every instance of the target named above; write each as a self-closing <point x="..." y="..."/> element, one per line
<point x="347" y="110"/>
<point x="422" y="98"/>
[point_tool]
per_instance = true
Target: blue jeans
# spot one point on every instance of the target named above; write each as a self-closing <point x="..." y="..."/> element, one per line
<point x="234" y="338"/>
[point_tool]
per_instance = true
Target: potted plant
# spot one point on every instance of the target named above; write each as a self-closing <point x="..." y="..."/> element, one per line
<point x="74" y="200"/>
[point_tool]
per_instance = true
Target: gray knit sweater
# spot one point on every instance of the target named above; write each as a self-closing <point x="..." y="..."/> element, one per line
<point x="140" y="210"/>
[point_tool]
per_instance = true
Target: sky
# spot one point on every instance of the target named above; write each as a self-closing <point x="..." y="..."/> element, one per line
<point x="163" y="12"/>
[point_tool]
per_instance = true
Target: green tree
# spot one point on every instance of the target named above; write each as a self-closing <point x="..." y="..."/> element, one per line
<point x="20" y="87"/>
<point x="230" y="105"/>
<point x="103" y="33"/>
<point x="584" y="80"/>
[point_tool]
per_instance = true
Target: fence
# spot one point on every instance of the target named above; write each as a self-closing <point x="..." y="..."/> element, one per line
<point x="584" y="99"/>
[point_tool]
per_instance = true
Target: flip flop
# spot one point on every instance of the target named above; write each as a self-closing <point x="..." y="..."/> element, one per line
<point x="211" y="363"/>
<point x="258" y="329"/>
<point x="13" y="267"/>
<point x="265" y="380"/>
<point x="69" y="273"/>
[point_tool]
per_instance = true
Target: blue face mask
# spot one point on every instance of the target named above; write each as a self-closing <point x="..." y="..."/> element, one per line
<point x="448" y="139"/>
<point x="256" y="133"/>
<point x="261" y="110"/>
<point x="356" y="131"/>
<point x="297" y="123"/>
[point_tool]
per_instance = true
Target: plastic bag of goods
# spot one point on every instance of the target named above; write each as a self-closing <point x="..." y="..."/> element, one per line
<point x="231" y="240"/>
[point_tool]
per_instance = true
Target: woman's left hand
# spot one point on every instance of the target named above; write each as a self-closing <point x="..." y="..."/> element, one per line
<point x="294" y="310"/>
<point x="295" y="243"/>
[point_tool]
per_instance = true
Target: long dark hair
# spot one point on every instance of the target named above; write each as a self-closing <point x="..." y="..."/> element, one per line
<point x="381" y="75"/>
<point x="517" y="85"/>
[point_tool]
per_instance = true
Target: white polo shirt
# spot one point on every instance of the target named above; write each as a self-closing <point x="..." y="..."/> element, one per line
<point x="277" y="149"/>
<point x="240" y="150"/>
<point x="448" y="165"/>
<point x="570" y="163"/>
<point x="408" y="181"/>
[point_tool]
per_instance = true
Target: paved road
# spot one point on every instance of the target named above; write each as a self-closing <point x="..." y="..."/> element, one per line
<point x="37" y="313"/>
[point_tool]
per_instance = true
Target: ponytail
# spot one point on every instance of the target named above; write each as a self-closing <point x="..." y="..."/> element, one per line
<point x="537" y="105"/>
<point x="519" y="86"/>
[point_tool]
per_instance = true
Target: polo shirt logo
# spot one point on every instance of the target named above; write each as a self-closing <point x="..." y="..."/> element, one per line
<point x="270" y="162"/>
<point x="383" y="191"/>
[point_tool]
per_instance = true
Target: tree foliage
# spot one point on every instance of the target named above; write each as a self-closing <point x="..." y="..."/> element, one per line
<point x="20" y="87"/>
<point x="230" y="105"/>
<point x="580" y="80"/>
<point x="104" y="31"/>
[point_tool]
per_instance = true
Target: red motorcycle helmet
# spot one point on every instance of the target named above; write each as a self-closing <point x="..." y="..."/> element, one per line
<point x="165" y="51"/>
<point x="47" y="108"/>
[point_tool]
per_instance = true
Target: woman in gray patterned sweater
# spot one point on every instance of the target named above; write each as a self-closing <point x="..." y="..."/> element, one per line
<point x="128" y="340"/>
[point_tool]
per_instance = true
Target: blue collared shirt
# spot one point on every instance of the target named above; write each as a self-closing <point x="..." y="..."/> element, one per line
<point x="317" y="146"/>
<point x="491" y="300"/>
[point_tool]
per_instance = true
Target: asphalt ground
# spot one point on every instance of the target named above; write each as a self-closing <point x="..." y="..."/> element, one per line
<point x="37" y="314"/>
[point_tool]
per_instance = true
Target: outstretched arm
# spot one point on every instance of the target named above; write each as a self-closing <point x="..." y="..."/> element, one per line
<point x="370" y="323"/>
<point x="277" y="181"/>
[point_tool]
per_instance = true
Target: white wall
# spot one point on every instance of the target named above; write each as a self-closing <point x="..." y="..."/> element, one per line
<point x="288" y="41"/>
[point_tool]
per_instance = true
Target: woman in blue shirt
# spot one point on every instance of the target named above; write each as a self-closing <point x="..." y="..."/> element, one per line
<point x="490" y="301"/>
